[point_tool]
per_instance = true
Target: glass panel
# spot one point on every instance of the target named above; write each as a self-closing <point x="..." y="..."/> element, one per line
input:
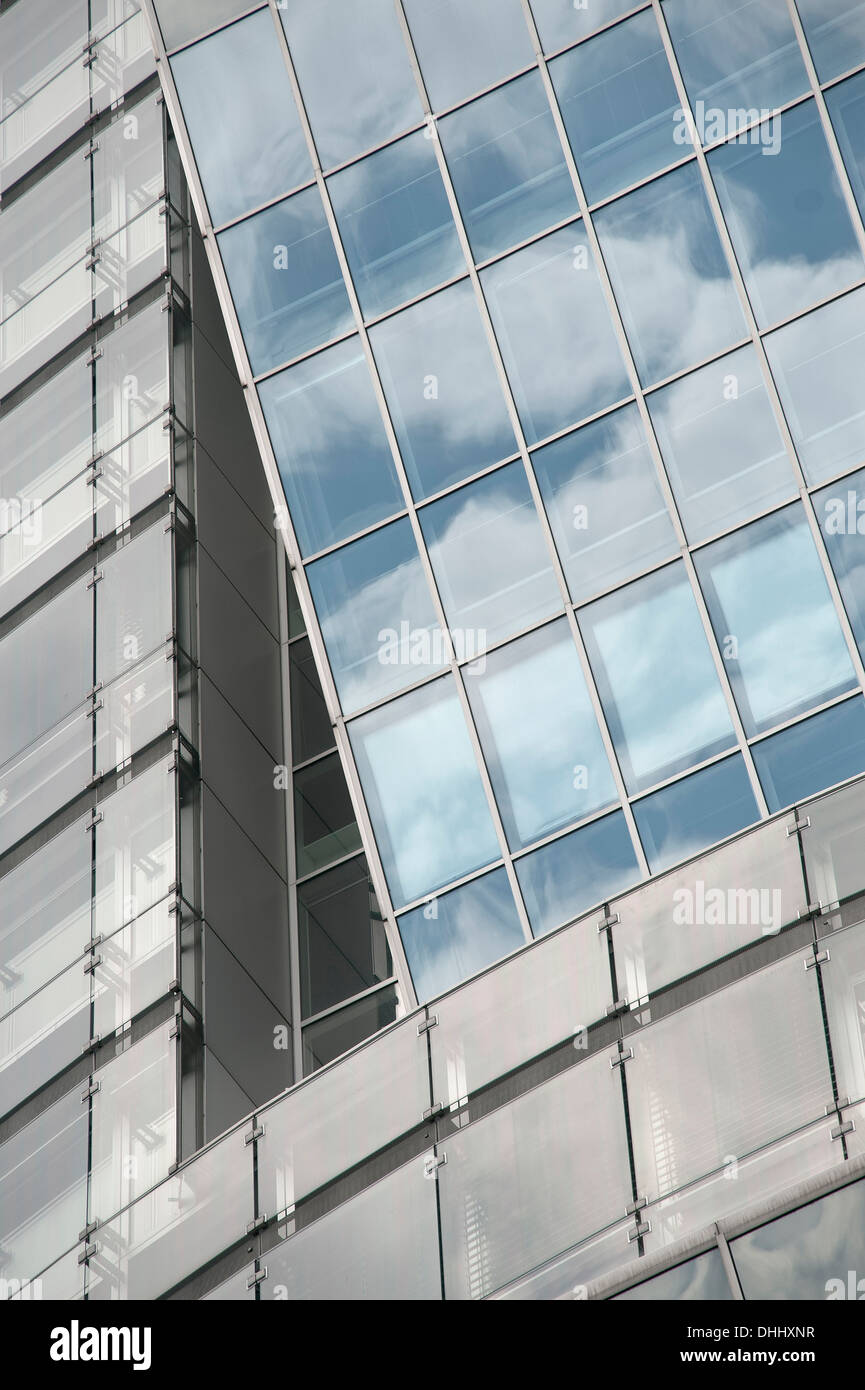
<point x="739" y="1069"/>
<point x="50" y="772"/>
<point x="137" y="967"/>
<point x="376" y="616"/>
<point x="466" y="45"/>
<point x="845" y="105"/>
<point x="721" y="444"/>
<point x="442" y="389"/>
<point x="381" y="1245"/>
<point x="331" y="447"/>
<point x="425" y="842"/>
<point x="236" y="82"/>
<point x="233" y="1289"/>
<point x="561" y="21"/>
<point x="343" y="946"/>
<point x="619" y="105"/>
<point x="182" y="20"/>
<point x="835" y="30"/>
<point x="546" y="995"/>
<point x="656" y="678"/>
<point x="354" y="73"/>
<point x="36" y="249"/>
<point x="43" y="1187"/>
<point x="324" y="823"/>
<point x="44" y="1035"/>
<point x="787" y="218"/>
<point x="703" y="1278"/>
<point x="135" y="709"/>
<point x="507" y="166"/>
<point x="682" y="819"/>
<point x="46" y="441"/>
<point x="813" y="1253"/>
<point x="339" y="1032"/>
<point x="43" y="539"/>
<point x="540" y="736"/>
<point x="549" y="293"/>
<point x="456" y="935"/>
<point x="135" y="850"/>
<point x="524" y="1183"/>
<point x="565" y="877"/>
<point x="133" y="1129"/>
<point x="774" y="620"/>
<point x="351" y="1110"/>
<point x="130" y="260"/>
<point x="133" y="602"/>
<point x="491" y="560"/>
<point x="128" y="170"/>
<point x="285" y="280"/>
<point x="843" y="977"/>
<point x="832" y="845"/>
<point x="311" y="730"/>
<point x="604" y="503"/>
<point x="396" y="224"/>
<point x="741" y="892"/>
<point x="36" y="693"/>
<point x="669" y="273"/>
<point x="807" y="758"/>
<point x="123" y="58"/>
<point x="44" y="325"/>
<point x="840" y="512"/>
<point x="132" y="385"/>
<point x="132" y="475"/>
<point x="63" y="1281"/>
<point x="38" y="41"/>
<point x="568" y="1276"/>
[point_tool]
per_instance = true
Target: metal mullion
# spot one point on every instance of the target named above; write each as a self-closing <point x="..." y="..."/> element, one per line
<point x="584" y="38"/>
<point x="306" y="356"/>
<point x="379" y="987"/>
<point x="208" y="33"/>
<point x="841" y="699"/>
<point x="331" y="864"/>
<point x="810" y="308"/>
<point x="355" y="535"/>
<point x="262" y="207"/>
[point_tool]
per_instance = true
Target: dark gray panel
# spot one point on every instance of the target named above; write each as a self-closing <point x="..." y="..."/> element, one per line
<point x="224" y="1101"/>
<point x="242" y="1025"/>
<point x="241" y="773"/>
<point x="237" y="542"/>
<point x="224" y="429"/>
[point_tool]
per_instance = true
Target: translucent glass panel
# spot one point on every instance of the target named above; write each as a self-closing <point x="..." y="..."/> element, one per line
<point x="817" y="363"/>
<point x="396" y="224"/>
<point x="832" y="845"/>
<point x="325" y="828"/>
<point x="348" y="1112"/>
<point x="604" y="503"/>
<point x="134" y="968"/>
<point x="376" y="616"/>
<point x="656" y="678"/>
<point x="843" y="977"/>
<point x="457" y="934"/>
<point x="128" y="166"/>
<point x="53" y="769"/>
<point x="285" y="280"/>
<point x="343" y="946"/>
<point x="721" y="445"/>
<point x="739" y="1069"/>
<point x="526" y="1182"/>
<point x="354" y="74"/>
<point x="425" y="842"/>
<point x="135" y="709"/>
<point x="132" y="379"/>
<point x="565" y="877"/>
<point x="46" y="441"/>
<point x="331" y="447"/>
<point x="550" y="293"/>
<point x="44" y="85"/>
<point x="568" y="1275"/>
<point x="135" y="857"/>
<point x="133" y="1125"/>
<point x="669" y="274"/>
<point x="787" y="218"/>
<point x="43" y="1187"/>
<point x="835" y="30"/>
<point x="490" y="559"/>
<point x="336" y="1033"/>
<point x="311" y="730"/>
<point x="807" y="1254"/>
<point x="36" y="250"/>
<point x="43" y="1035"/>
<point x="619" y="102"/>
<point x="507" y="166"/>
<point x="134" y="602"/>
<point x="561" y="22"/>
<point x="802" y="760"/>
<point x="703" y="1278"/>
<point x="182" y="20"/>
<point x="37" y="695"/>
<point x="442" y="390"/>
<point x="774" y="620"/>
<point x="237" y="82"/>
<point x="466" y="45"/>
<point x="738" y="893"/>
<point x="689" y="815"/>
<point x="46" y="537"/>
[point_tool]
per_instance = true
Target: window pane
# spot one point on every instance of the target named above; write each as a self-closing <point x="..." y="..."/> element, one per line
<point x="507" y="166"/>
<point x="422" y="741"/>
<point x="50" y="772"/>
<point x="325" y="828"/>
<point x="787" y="218"/>
<point x="833" y="844"/>
<point x="490" y="559"/>
<point x="569" y="875"/>
<point x="285" y="280"/>
<point x="133" y="602"/>
<point x="311" y="730"/>
<point x="46" y="440"/>
<point x="43" y="1036"/>
<point x="42" y="539"/>
<point x="137" y="966"/>
<point x="132" y="377"/>
<point x="703" y="1278"/>
<point x="806" y="1254"/>
<point x="36" y="693"/>
<point x="237" y="83"/>
<point x="835" y="30"/>
<point x="619" y="103"/>
<point x="540" y="736"/>
<point x="43" y="1187"/>
<point x="656" y="678"/>
<point x="840" y="512"/>
<point x="604" y="503"/>
<point x="128" y="167"/>
<point x="133" y="1127"/>
<point x="182" y="20"/>
<point x="721" y="444"/>
<point x="36" y="249"/>
<point x="442" y="390"/>
<point x="343" y="946"/>
<point x="459" y="934"/>
<point x="774" y="620"/>
<point x="396" y="225"/>
<point x="561" y="21"/>
<point x="376" y="616"/>
<point x="687" y="817"/>
<point x="330" y="445"/>
<point x="812" y="755"/>
<point x="466" y="45"/>
<point x="354" y="74"/>
<point x="338" y="1033"/>
<point x="549" y="293"/>
<point x="846" y="105"/>
<point x="669" y="274"/>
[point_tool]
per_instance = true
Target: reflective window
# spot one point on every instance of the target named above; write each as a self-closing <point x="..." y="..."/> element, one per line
<point x="561" y="22"/>
<point x="285" y="280"/>
<point x="703" y="1278"/>
<point x="656" y="678"/>
<point x="604" y="503"/>
<point x="814" y="1253"/>
<point x="569" y="875"/>
<point x="840" y="512"/>
<point x="182" y="20"/>
<point x="311" y="731"/>
<point x="507" y="166"/>
<point x="812" y="755"/>
<point x="466" y="45"/>
<point x="619" y="102"/>
<point x="669" y="274"/>
<point x="421" y="742"/>
<point x="354" y="74"/>
<point x="540" y="735"/>
<point x="330" y="446"/>
<point x="787" y="218"/>
<point x="442" y="390"/>
<point x="721" y="445"/>
<point x="835" y="30"/>
<point x="324" y="824"/>
<point x="490" y="559"/>
<point x="774" y="620"/>
<point x="236" y="82"/>
<point x="846" y="105"/>
<point x="38" y="693"/>
<point x="550" y="293"/>
<point x="688" y="816"/>
<point x="335" y="1034"/>
<point x="396" y="224"/>
<point x="459" y="934"/>
<point x="376" y="616"/>
<point x="343" y="946"/>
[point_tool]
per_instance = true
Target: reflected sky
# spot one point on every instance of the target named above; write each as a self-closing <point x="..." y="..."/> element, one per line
<point x="564" y="878"/>
<point x="846" y="105"/>
<point x="560" y="22"/>
<point x="794" y="1257"/>
<point x="835" y="30"/>
<point x="463" y="48"/>
<point x="815" y="754"/>
<point x="840" y="513"/>
<point x="689" y="816"/>
<point x="460" y="934"/>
